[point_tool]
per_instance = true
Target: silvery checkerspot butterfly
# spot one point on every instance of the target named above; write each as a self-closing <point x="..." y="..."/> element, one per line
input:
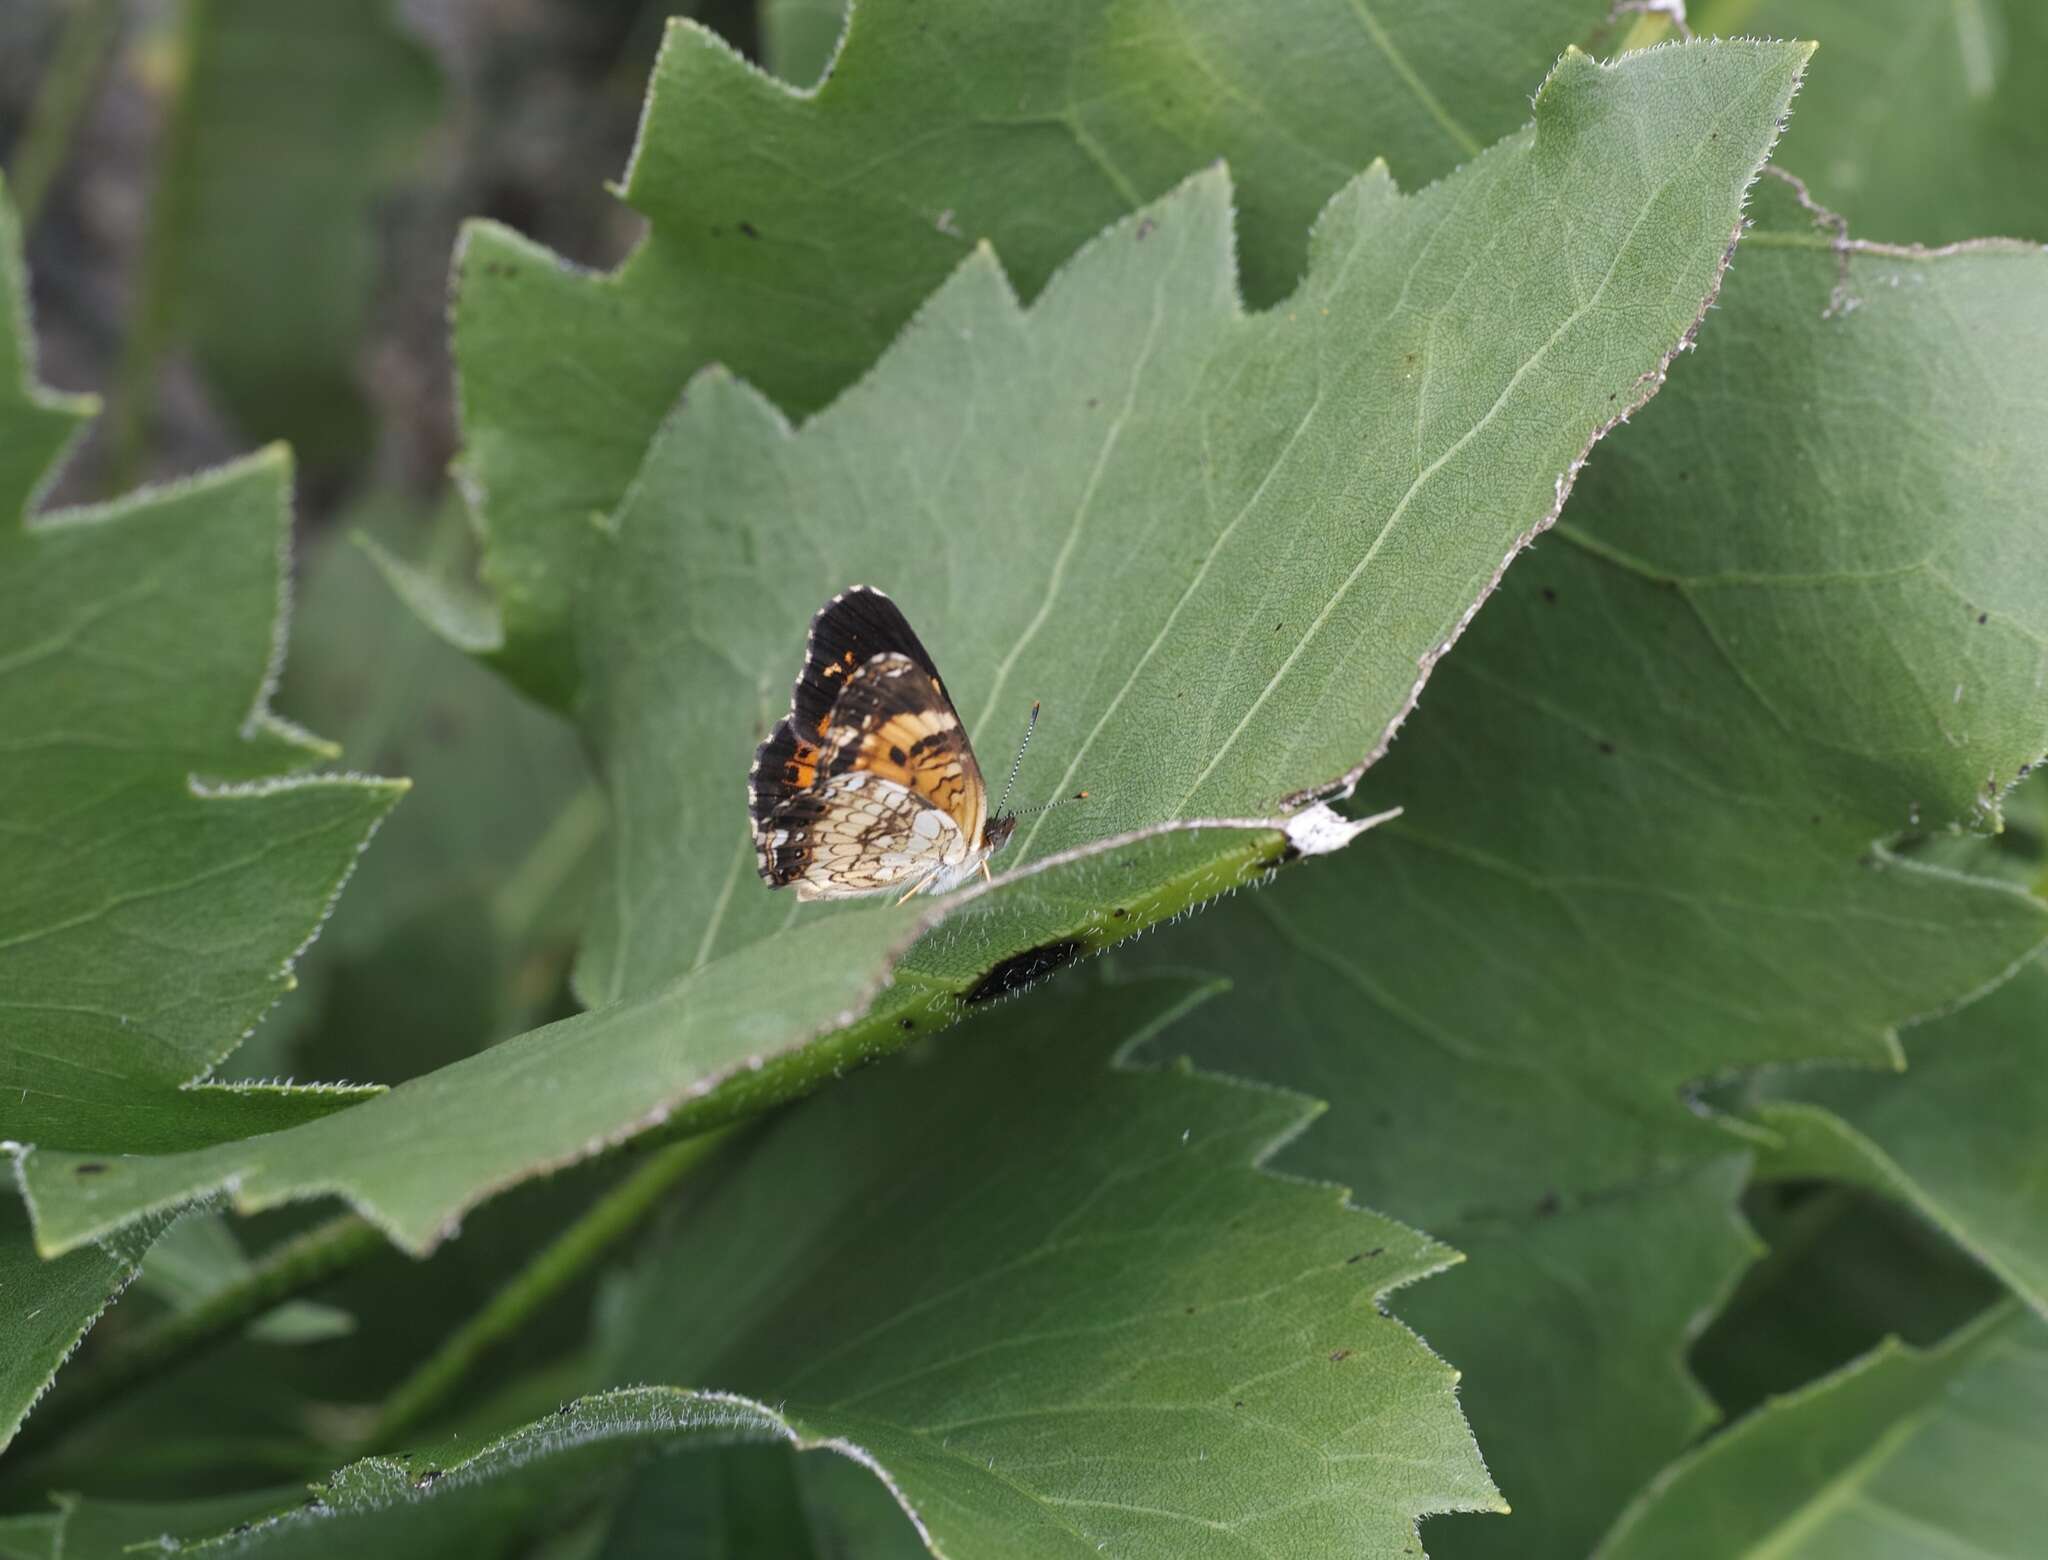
<point x="869" y="784"/>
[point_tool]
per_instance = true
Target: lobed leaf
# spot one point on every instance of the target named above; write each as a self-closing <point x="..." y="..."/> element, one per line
<point x="1097" y="1325"/>
<point x="1903" y="1454"/>
<point x="1605" y="1295"/>
<point x="1651" y="796"/>
<point x="1923" y="122"/>
<point x="794" y="233"/>
<point x="267" y="202"/>
<point x="1961" y="1136"/>
<point x="1245" y="540"/>
<point x="162" y="862"/>
<point x="1390" y="455"/>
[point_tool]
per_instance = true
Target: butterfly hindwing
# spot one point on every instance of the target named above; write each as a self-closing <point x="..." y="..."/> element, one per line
<point x="869" y="782"/>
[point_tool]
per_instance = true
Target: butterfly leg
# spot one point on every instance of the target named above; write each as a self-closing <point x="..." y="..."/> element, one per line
<point x="985" y="874"/>
<point x="917" y="887"/>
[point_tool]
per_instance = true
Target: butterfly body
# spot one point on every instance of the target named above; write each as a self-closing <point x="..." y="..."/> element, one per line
<point x="869" y="785"/>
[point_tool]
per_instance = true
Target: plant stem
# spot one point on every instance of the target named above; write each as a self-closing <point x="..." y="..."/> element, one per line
<point x="135" y="377"/>
<point x="559" y="1264"/>
<point x="290" y="1269"/>
<point x="89" y="30"/>
<point x="532" y="886"/>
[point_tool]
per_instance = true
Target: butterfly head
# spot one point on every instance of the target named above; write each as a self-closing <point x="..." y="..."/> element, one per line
<point x="996" y="832"/>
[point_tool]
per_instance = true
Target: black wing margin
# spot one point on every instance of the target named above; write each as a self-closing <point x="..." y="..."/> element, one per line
<point x="851" y="629"/>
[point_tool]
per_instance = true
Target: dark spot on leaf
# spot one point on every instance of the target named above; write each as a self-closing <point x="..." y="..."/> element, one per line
<point x="1816" y="817"/>
<point x="1191" y="1310"/>
<point x="750" y="230"/>
<point x="1607" y="747"/>
<point x="1119" y="912"/>
<point x="1376" y="1251"/>
<point x="1983" y="617"/>
<point x="90" y="1167"/>
<point x="1146" y="228"/>
<point x="1020" y="970"/>
<point x="1550" y="595"/>
<point x="1093" y="402"/>
<point x="1238" y="1404"/>
<point x="906" y="1025"/>
<point x="1340" y="1356"/>
<point x="1548" y="1204"/>
<point x="1356" y="1256"/>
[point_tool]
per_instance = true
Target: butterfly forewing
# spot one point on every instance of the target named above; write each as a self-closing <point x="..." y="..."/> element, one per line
<point x="869" y="782"/>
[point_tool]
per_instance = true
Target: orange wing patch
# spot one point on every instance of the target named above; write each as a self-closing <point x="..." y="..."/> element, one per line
<point x="925" y="753"/>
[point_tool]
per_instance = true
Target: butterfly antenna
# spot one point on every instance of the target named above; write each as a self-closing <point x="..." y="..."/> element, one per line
<point x="1030" y="726"/>
<point x="1045" y="807"/>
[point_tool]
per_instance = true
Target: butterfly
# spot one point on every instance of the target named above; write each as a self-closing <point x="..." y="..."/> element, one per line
<point x="869" y="785"/>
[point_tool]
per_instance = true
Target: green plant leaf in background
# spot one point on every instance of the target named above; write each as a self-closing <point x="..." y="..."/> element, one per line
<point x="1425" y="420"/>
<point x="1925" y="124"/>
<point x="1900" y="1456"/>
<point x="290" y="124"/>
<point x="168" y="864"/>
<point x="1049" y="1300"/>
<point x="198" y="1257"/>
<point x="1845" y="1270"/>
<point x="798" y="37"/>
<point x="163" y="863"/>
<point x="1604" y="1294"/>
<point x="457" y="930"/>
<point x="792" y="234"/>
<point x="1244" y="536"/>
<point x="1655" y="817"/>
<point x="1960" y="1135"/>
<point x="46" y="1307"/>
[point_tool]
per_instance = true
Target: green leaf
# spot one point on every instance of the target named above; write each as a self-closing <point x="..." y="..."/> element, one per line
<point x="1643" y="843"/>
<point x="1904" y="1454"/>
<point x="290" y="127"/>
<point x="31" y="1537"/>
<point x="1605" y="1294"/>
<point x="1654" y="816"/>
<point x="45" y="1309"/>
<point x="1922" y="122"/>
<point x="1961" y="1136"/>
<point x="198" y="1257"/>
<point x="1091" y="1327"/>
<point x="1540" y="288"/>
<point x="1247" y="537"/>
<point x="457" y="929"/>
<point x="162" y="863"/>
<point x="168" y="864"/>
<point x="793" y="234"/>
<point x="1100" y="1324"/>
<point x="1845" y="1270"/>
<point x="435" y="1145"/>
